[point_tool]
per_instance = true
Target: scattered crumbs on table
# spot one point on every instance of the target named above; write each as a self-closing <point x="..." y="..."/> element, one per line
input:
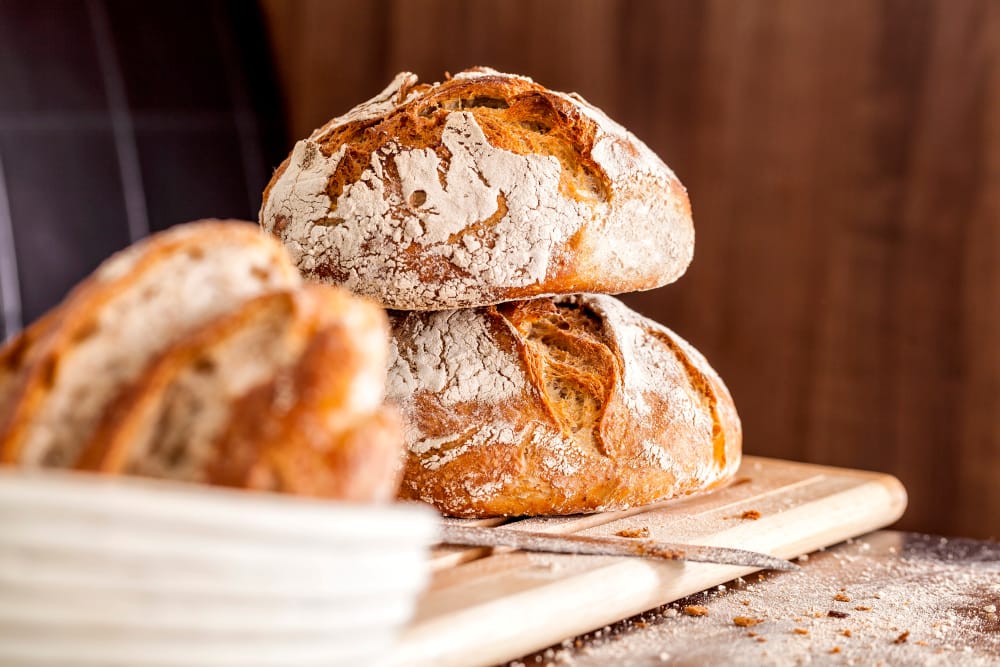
<point x="746" y="621"/>
<point x="840" y="597"/>
<point x="833" y="613"/>
<point x="835" y="649"/>
<point x="800" y="631"/>
<point x="947" y="621"/>
<point x="751" y="515"/>
<point x="634" y="532"/>
<point x="862" y="607"/>
<point x="695" y="610"/>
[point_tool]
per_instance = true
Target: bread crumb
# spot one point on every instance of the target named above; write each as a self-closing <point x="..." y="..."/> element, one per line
<point x="833" y="613"/>
<point x="695" y="610"/>
<point x="862" y="607"/>
<point x="746" y="621"/>
<point x="752" y="515"/>
<point x="846" y="633"/>
<point x="840" y="597"/>
<point x="901" y="639"/>
<point x="751" y="634"/>
<point x="745" y="603"/>
<point x="801" y="631"/>
<point x="835" y="649"/>
<point x="633" y="532"/>
<point x="990" y="609"/>
<point x="762" y="639"/>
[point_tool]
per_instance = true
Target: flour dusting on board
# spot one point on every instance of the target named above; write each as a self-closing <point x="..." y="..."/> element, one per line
<point x="887" y="598"/>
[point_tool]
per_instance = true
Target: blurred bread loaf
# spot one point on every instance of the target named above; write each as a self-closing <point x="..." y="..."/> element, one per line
<point x="556" y="406"/>
<point x="284" y="394"/>
<point x="133" y="306"/>
<point x="481" y="189"/>
<point x="197" y="355"/>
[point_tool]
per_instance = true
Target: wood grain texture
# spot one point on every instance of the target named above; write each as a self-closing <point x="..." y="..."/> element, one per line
<point x="489" y="608"/>
<point x="843" y="161"/>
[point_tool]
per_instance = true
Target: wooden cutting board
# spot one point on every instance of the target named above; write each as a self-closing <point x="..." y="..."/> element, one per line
<point x="482" y="608"/>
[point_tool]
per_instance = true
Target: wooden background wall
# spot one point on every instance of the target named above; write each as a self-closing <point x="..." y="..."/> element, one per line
<point x="843" y="160"/>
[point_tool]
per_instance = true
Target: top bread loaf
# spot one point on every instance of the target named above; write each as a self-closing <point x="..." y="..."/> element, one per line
<point x="479" y="190"/>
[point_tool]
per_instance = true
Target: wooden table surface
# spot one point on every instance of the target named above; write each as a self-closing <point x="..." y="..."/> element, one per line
<point x="889" y="598"/>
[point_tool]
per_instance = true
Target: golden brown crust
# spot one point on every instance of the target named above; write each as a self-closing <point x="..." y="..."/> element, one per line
<point x="515" y="113"/>
<point x="306" y="427"/>
<point x="75" y="319"/>
<point x="556" y="407"/>
<point x="17" y="355"/>
<point x="111" y="446"/>
<point x="296" y="449"/>
<point x="481" y="189"/>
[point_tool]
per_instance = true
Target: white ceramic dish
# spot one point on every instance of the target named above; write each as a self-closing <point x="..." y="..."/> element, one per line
<point x="110" y="571"/>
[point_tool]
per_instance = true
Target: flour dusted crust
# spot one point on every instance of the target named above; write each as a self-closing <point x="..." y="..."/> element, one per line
<point x="482" y="189"/>
<point x="556" y="406"/>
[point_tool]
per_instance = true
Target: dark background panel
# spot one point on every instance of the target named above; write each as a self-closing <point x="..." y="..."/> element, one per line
<point x="66" y="219"/>
<point x="120" y="118"/>
<point x="214" y="184"/>
<point x="171" y="54"/>
<point x="48" y="59"/>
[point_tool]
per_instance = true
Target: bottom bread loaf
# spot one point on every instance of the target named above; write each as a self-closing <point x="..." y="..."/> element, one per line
<point x="556" y="406"/>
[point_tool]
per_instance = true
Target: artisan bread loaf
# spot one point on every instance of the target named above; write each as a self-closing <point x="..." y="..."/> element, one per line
<point x="556" y="406"/>
<point x="283" y="394"/>
<point x="63" y="371"/>
<point x="482" y="189"/>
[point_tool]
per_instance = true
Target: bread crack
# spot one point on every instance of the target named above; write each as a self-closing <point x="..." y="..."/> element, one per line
<point x="575" y="368"/>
